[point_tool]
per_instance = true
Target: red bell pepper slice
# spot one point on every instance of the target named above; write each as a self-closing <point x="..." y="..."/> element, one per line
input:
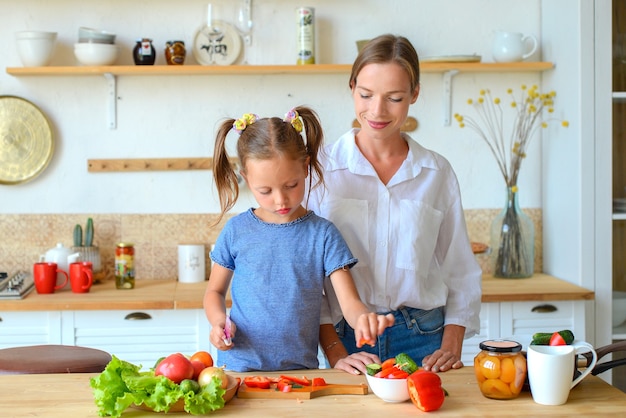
<point x="298" y="381"/>
<point x="319" y="381"/>
<point x="388" y="363"/>
<point x="398" y="374"/>
<point x="557" y="339"/>
<point x="260" y="382"/>
<point x="284" y="385"/>
<point x="425" y="390"/>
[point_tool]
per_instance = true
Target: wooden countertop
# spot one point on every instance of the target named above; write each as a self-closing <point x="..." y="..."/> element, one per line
<point x="69" y="395"/>
<point x="169" y="294"/>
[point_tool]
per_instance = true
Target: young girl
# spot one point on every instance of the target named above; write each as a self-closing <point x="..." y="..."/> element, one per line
<point x="278" y="254"/>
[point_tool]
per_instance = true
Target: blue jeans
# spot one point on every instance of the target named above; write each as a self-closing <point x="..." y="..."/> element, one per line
<point x="415" y="332"/>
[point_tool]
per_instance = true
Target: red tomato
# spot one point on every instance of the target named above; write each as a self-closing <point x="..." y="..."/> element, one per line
<point x="260" y="382"/>
<point x="557" y="339"/>
<point x="198" y="366"/>
<point x="175" y="367"/>
<point x="203" y="356"/>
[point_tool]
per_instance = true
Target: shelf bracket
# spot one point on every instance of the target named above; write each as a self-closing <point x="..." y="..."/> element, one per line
<point x="112" y="93"/>
<point x="447" y="96"/>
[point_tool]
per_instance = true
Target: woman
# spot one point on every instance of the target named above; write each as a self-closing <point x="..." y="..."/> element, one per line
<point x="398" y="206"/>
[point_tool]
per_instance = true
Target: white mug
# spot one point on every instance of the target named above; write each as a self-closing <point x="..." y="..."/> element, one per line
<point x="551" y="370"/>
<point x="191" y="268"/>
<point x="513" y="46"/>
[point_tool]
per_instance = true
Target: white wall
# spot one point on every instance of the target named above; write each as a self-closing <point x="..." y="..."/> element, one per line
<point x="176" y="116"/>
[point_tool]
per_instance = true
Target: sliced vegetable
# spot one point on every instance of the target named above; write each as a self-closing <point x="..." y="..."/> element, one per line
<point x="398" y="374"/>
<point x="557" y="339"/>
<point x="543" y="338"/>
<point x="284" y="385"/>
<point x="373" y="368"/>
<point x="406" y="363"/>
<point x="425" y="390"/>
<point x="260" y="382"/>
<point x="388" y="363"/>
<point x="363" y="341"/>
<point x="298" y="381"/>
<point x="319" y="381"/>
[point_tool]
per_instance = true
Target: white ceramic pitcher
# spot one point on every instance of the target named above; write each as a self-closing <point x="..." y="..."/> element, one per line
<point x="513" y="46"/>
<point x="63" y="257"/>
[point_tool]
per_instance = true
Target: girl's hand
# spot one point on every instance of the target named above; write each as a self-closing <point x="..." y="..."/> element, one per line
<point x="371" y="325"/>
<point x="355" y="363"/>
<point x="220" y="338"/>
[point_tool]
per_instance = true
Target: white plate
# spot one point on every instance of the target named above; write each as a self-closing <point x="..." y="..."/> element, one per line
<point x="222" y="51"/>
<point x="452" y="58"/>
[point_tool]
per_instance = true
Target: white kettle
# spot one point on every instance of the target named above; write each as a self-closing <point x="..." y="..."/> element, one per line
<point x="63" y="257"/>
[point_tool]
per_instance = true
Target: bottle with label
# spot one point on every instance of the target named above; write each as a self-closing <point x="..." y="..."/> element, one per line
<point x="144" y="52"/>
<point x="125" y="266"/>
<point x="306" y="35"/>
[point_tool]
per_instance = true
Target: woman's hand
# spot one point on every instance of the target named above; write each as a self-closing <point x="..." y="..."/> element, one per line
<point x="441" y="361"/>
<point x="355" y="363"/>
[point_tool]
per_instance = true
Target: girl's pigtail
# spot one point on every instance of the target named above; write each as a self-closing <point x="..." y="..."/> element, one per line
<point x="314" y="142"/>
<point x="223" y="171"/>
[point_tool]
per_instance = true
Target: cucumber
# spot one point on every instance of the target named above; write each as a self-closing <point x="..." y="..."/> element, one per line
<point x="373" y="368"/>
<point x="543" y="338"/>
<point x="89" y="233"/>
<point x="78" y="236"/>
<point x="406" y="363"/>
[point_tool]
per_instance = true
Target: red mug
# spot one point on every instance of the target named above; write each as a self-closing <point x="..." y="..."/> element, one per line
<point x="81" y="276"/>
<point x="45" y="277"/>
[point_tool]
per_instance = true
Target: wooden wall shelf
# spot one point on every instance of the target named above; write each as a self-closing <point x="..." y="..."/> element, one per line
<point x="134" y="70"/>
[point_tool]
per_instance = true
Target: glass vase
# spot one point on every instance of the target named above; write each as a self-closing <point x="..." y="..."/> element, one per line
<point x="512" y="240"/>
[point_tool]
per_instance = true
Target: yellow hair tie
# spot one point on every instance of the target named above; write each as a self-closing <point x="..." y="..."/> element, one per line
<point x="294" y="118"/>
<point x="243" y="122"/>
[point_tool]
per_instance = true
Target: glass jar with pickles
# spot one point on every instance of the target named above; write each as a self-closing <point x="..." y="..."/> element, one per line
<point x="500" y="369"/>
<point x="125" y="266"/>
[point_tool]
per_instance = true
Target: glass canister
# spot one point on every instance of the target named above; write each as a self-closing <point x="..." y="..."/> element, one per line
<point x="175" y="52"/>
<point x="500" y="369"/>
<point x="125" y="266"/>
<point x="144" y="52"/>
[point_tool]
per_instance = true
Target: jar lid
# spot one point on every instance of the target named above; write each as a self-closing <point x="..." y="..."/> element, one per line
<point x="501" y="346"/>
<point x="125" y="244"/>
<point x="176" y="42"/>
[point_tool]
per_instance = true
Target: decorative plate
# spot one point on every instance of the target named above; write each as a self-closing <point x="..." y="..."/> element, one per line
<point x="26" y="143"/>
<point x="220" y="47"/>
<point x="452" y="58"/>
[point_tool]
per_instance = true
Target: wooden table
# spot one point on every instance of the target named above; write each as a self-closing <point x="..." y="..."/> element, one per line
<point x="69" y="395"/>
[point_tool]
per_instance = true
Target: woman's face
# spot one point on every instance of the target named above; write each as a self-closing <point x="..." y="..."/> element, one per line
<point x="382" y="96"/>
<point x="278" y="186"/>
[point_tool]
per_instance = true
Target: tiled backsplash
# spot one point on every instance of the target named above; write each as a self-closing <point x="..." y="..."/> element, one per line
<point x="25" y="237"/>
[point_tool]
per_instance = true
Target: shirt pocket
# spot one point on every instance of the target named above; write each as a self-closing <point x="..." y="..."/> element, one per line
<point x="350" y="217"/>
<point x="418" y="233"/>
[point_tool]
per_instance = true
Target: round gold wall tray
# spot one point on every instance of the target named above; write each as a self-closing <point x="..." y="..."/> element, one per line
<point x="26" y="143"/>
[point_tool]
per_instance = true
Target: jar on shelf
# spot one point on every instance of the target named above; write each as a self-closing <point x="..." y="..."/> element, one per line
<point x="125" y="266"/>
<point x="144" y="52"/>
<point x="500" y="369"/>
<point x="175" y="52"/>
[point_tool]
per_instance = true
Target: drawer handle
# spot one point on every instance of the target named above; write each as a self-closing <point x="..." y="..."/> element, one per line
<point x="547" y="308"/>
<point x="133" y="316"/>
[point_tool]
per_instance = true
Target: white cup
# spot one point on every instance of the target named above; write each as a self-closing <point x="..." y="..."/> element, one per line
<point x="191" y="264"/>
<point x="513" y="46"/>
<point x="551" y="370"/>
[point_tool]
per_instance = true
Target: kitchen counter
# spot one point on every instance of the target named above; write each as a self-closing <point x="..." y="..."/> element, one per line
<point x="169" y="294"/>
<point x="69" y="395"/>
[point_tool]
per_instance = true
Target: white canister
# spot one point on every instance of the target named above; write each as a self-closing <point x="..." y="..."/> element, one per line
<point x="191" y="263"/>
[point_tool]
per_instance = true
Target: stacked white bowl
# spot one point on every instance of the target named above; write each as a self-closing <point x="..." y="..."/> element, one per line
<point x="95" y="47"/>
<point x="35" y="47"/>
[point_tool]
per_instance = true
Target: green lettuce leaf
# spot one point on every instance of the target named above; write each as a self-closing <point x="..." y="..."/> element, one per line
<point x="122" y="384"/>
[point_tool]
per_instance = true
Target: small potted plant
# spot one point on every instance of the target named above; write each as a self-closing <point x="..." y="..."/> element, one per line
<point x="88" y="251"/>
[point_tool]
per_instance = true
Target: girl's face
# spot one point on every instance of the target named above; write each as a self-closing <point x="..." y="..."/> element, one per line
<point x="382" y="96"/>
<point x="278" y="186"/>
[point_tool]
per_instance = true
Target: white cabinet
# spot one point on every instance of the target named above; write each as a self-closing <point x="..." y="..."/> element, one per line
<point x="19" y="328"/>
<point x="520" y="320"/>
<point x="140" y="337"/>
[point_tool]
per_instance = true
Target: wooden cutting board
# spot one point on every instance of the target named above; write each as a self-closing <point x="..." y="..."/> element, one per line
<point x="305" y="392"/>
